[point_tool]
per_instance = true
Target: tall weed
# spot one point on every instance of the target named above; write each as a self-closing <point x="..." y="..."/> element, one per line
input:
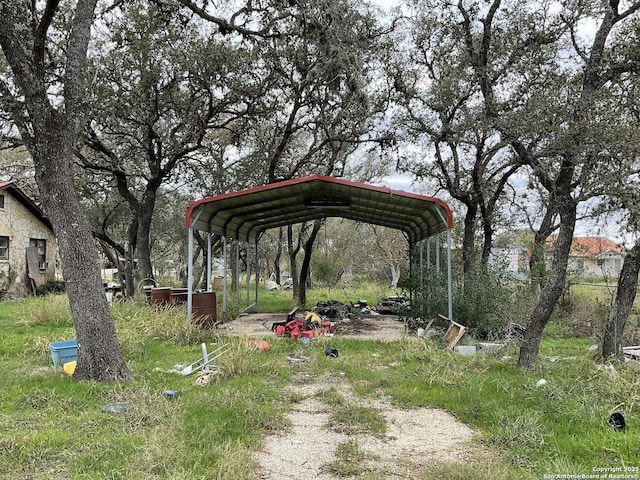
<point x="138" y="323"/>
<point x="481" y="300"/>
<point x="52" y="311"/>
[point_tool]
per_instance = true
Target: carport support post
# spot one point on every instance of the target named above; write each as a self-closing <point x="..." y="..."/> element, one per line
<point x="423" y="294"/>
<point x="449" y="283"/>
<point x="412" y="259"/>
<point x="421" y="244"/>
<point x="248" y="275"/>
<point x="236" y="274"/>
<point x="438" y="253"/>
<point x="224" y="283"/>
<point x="430" y="283"/>
<point x="190" y="275"/>
<point x="449" y="286"/>
<point x="190" y="268"/>
<point x="257" y="272"/>
<point x="209" y="288"/>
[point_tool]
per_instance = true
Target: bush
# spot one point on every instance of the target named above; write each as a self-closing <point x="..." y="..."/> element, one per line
<point x="325" y="270"/>
<point x="482" y="301"/>
<point x="53" y="286"/>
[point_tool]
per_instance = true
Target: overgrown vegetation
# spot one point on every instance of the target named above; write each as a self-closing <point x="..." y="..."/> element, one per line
<point x="484" y="301"/>
<point x="55" y="427"/>
<point x="52" y="286"/>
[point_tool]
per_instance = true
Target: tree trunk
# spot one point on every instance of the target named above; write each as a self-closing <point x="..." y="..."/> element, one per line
<point x="305" y="268"/>
<point x="112" y="256"/>
<point x="486" y="245"/>
<point x="143" y="237"/>
<point x="51" y="143"/>
<point x="293" y="264"/>
<point x="625" y="296"/>
<point x="278" y="256"/>
<point x="395" y="275"/>
<point x="553" y="289"/>
<point x="129" y="258"/>
<point x="99" y="355"/>
<point x="537" y="266"/>
<point x="468" y="240"/>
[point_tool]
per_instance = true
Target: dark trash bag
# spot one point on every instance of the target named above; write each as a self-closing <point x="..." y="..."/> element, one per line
<point x="617" y="421"/>
<point x="330" y="309"/>
<point x="331" y="352"/>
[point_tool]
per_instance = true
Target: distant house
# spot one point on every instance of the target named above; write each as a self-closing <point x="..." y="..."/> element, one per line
<point x="28" y="247"/>
<point x="595" y="256"/>
<point x="512" y="259"/>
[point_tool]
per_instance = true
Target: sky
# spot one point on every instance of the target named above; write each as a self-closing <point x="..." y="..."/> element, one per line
<point x="386" y="3"/>
<point x="398" y="181"/>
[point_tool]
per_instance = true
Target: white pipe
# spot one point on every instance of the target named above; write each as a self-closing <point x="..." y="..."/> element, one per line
<point x="209" y="288"/>
<point x="449" y="285"/>
<point x="224" y="275"/>
<point x="190" y="276"/>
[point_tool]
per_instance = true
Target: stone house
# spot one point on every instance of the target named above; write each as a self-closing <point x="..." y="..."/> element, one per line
<point x="28" y="247"/>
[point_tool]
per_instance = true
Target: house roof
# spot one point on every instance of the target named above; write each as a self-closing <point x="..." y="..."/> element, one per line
<point x="29" y="204"/>
<point x="593" y="247"/>
<point x="246" y="214"/>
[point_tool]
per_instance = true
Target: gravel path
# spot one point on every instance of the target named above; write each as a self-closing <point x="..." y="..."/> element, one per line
<point x="413" y="440"/>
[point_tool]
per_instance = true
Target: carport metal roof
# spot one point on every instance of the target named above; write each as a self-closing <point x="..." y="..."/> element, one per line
<point x="246" y="214"/>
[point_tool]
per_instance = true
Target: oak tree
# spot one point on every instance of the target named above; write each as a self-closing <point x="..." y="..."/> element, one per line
<point x="44" y="92"/>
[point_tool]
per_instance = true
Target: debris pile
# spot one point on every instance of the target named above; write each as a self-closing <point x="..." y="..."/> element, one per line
<point x="393" y="305"/>
<point x="453" y="331"/>
<point x="309" y="326"/>
<point x="204" y="363"/>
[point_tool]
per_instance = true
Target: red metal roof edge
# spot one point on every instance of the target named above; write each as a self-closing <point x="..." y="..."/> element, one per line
<point x="324" y="178"/>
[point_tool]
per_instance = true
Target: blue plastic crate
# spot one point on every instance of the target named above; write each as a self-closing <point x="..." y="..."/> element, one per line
<point x="63" y="352"/>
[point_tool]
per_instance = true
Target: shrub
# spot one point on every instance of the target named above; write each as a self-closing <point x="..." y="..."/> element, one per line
<point x="52" y="286"/>
<point x="482" y="300"/>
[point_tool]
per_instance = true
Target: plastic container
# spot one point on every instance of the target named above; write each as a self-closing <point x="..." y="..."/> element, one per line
<point x="69" y="367"/>
<point x="466" y="350"/>
<point x="63" y="352"/>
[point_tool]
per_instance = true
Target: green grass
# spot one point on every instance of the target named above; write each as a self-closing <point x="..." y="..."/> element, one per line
<point x="354" y="419"/>
<point x="55" y="427"/>
<point x="282" y="300"/>
<point x="349" y="461"/>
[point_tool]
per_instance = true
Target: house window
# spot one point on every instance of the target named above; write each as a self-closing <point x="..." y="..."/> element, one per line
<point x="41" y="245"/>
<point x="4" y="248"/>
<point x="1" y="201"/>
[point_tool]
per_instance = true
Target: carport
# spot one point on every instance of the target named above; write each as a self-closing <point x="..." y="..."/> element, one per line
<point x="246" y="215"/>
